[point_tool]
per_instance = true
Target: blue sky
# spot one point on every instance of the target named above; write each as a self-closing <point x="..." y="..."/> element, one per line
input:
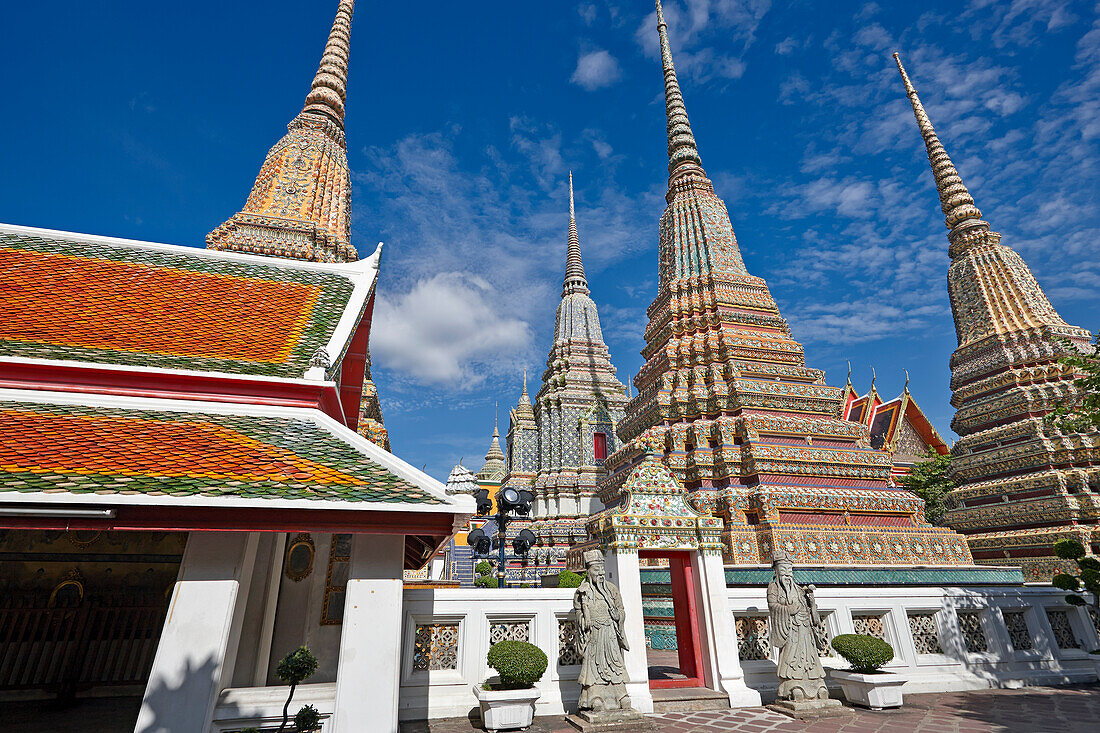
<point x="150" y="121"/>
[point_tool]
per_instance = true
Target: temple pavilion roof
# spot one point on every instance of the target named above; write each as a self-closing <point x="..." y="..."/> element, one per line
<point x="83" y="298"/>
<point x="77" y="445"/>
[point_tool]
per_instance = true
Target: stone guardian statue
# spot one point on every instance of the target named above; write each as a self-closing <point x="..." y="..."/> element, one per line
<point x="796" y="630"/>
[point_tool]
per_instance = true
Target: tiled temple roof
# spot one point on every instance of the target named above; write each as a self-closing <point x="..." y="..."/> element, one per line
<point x="110" y="301"/>
<point x="62" y="446"/>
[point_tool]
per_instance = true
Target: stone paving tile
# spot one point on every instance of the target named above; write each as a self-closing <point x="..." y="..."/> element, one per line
<point x="1074" y="709"/>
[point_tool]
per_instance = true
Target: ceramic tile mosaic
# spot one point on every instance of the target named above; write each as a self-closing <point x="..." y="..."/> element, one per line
<point x="83" y="449"/>
<point x="113" y="304"/>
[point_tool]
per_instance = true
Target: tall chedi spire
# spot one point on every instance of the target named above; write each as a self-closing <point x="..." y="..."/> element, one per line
<point x="727" y="404"/>
<point x="299" y="205"/>
<point x="557" y="447"/>
<point x="1019" y="480"/>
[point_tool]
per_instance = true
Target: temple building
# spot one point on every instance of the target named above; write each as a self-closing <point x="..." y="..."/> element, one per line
<point x="1022" y="484"/>
<point x="182" y="430"/>
<point x="897" y="427"/>
<point x="726" y="401"/>
<point x="557" y="446"/>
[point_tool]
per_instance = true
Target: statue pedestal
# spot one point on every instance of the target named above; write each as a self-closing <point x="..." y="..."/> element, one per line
<point x="810" y="709"/>
<point x="611" y="721"/>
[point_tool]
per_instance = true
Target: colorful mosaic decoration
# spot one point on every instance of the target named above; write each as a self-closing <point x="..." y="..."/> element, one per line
<point x="754" y="436"/>
<point x="1022" y="484"/>
<point x="90" y="449"/>
<point x="557" y="445"/>
<point x="156" y="306"/>
<point x="299" y="205"/>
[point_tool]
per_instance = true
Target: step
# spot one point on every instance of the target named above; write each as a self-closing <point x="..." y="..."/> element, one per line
<point x="688" y="699"/>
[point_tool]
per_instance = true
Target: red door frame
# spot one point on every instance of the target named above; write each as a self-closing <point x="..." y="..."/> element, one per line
<point x="685" y="612"/>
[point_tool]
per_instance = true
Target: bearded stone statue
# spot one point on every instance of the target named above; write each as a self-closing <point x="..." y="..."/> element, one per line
<point x="796" y="629"/>
<point x="598" y="607"/>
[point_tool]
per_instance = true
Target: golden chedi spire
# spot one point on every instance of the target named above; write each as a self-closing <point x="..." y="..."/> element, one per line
<point x="299" y="204"/>
<point x="1016" y="476"/>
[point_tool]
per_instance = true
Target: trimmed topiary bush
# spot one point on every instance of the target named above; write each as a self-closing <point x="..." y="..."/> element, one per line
<point x="518" y="663"/>
<point x="569" y="579"/>
<point x="864" y="653"/>
<point x="483" y="567"/>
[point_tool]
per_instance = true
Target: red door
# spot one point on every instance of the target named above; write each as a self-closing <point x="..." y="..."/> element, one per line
<point x="687" y="623"/>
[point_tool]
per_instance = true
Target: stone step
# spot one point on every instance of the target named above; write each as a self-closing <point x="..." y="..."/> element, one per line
<point x="688" y="699"/>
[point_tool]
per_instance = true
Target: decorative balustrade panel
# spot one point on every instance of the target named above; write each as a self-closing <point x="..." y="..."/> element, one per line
<point x="509" y="631"/>
<point x="970" y="623"/>
<point x="1064" y="637"/>
<point x="753" y="642"/>
<point x="435" y="647"/>
<point x="1018" y="632"/>
<point x="926" y="635"/>
<point x="568" y="653"/>
<point x="870" y="625"/>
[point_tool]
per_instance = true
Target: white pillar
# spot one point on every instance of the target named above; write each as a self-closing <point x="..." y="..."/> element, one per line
<point x="718" y="634"/>
<point x="622" y="570"/>
<point x="198" y="646"/>
<point x="369" y="671"/>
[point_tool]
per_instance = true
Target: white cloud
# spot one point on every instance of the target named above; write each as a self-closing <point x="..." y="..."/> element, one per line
<point x="596" y="70"/>
<point x="446" y="331"/>
<point x="697" y="29"/>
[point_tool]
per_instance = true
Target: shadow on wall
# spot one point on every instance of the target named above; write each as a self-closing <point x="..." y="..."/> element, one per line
<point x="168" y="710"/>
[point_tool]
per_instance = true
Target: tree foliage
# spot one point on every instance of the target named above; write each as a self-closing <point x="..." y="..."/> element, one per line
<point x="1087" y="578"/>
<point x="293" y="669"/>
<point x="485" y="578"/>
<point x="1082" y="414"/>
<point x="569" y="579"/>
<point x="928" y="480"/>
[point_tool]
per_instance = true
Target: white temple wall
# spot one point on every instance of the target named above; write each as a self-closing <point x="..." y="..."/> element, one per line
<point x="904" y="611"/>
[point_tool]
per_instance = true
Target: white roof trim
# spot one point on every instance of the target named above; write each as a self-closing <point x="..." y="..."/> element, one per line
<point x="450" y="504"/>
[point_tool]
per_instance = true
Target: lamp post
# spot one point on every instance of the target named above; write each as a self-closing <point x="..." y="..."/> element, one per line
<point x="510" y="501"/>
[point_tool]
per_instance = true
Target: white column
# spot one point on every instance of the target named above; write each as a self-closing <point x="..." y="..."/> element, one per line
<point x="622" y="570"/>
<point x="198" y="645"/>
<point x="368" y="675"/>
<point x="718" y="636"/>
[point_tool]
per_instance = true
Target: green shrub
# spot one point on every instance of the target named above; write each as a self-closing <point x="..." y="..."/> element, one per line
<point x="299" y="665"/>
<point x="483" y="567"/>
<point x="864" y="653"/>
<point x="308" y="720"/>
<point x="569" y="579"/>
<point x="486" y="581"/>
<point x="518" y="663"/>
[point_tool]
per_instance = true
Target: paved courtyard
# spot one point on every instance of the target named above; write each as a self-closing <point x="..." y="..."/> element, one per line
<point x="1074" y="709"/>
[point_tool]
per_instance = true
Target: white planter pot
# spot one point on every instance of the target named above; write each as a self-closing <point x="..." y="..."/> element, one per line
<point x="875" y="691"/>
<point x="506" y="709"/>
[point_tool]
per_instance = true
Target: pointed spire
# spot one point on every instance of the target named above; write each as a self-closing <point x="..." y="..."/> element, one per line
<point x="958" y="206"/>
<point x="575" y="281"/>
<point x="328" y="92"/>
<point x="683" y="155"/>
<point x="524" y="408"/>
<point x="494" y="453"/>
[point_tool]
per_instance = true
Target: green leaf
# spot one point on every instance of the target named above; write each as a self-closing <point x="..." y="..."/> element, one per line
<point x="1075" y="600"/>
<point x="1064" y="581"/>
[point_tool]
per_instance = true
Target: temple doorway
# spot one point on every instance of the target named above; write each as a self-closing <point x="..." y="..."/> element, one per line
<point x="671" y="619"/>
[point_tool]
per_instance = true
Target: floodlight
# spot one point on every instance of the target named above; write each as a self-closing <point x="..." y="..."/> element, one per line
<point x="477" y="540"/>
<point x="523" y="541"/>
<point x="523" y="506"/>
<point x="484" y="503"/>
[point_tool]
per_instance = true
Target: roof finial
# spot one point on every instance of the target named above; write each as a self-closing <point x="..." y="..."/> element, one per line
<point x="873" y="377"/>
<point x="849" y="372"/>
<point x="328" y="92"/>
<point x="683" y="155"/>
<point x="906" y="389"/>
<point x="960" y="213"/>
<point x="525" y="381"/>
<point x="575" y="281"/>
